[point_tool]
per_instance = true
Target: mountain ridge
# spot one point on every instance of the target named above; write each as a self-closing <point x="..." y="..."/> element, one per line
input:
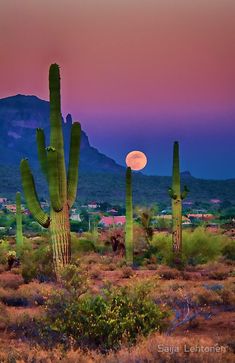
<point x="20" y="115"/>
<point x="100" y="177"/>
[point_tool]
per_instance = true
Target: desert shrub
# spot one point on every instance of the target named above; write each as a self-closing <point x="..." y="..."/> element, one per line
<point x="103" y="321"/>
<point x="141" y="244"/>
<point x="112" y="238"/>
<point x="228" y="251"/>
<point x="145" y="218"/>
<point x="127" y="272"/>
<point x="168" y="273"/>
<point x="203" y="296"/>
<point x="4" y="249"/>
<point x="36" y="293"/>
<point x="161" y="247"/>
<point x="163" y="223"/>
<point x="148" y="257"/>
<point x="36" y="263"/>
<point x="201" y="246"/>
<point x="89" y="259"/>
<point x="74" y="279"/>
<point x="218" y="275"/>
<point x="214" y="294"/>
<point x="85" y="243"/>
<point x="217" y="271"/>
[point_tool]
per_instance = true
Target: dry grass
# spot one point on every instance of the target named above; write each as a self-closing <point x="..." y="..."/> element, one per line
<point x="10" y="280"/>
<point x="157" y="348"/>
<point x="210" y="286"/>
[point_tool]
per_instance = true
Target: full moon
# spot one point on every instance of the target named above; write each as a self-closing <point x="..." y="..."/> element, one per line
<point x="136" y="160"/>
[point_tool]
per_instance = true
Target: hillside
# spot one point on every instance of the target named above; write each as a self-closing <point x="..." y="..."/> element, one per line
<point x="111" y="187"/>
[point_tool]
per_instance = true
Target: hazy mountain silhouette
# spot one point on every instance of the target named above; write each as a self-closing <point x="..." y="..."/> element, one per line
<point x="20" y="116"/>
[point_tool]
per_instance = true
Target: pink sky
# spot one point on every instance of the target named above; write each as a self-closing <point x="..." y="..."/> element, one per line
<point x="136" y="60"/>
<point x="124" y="56"/>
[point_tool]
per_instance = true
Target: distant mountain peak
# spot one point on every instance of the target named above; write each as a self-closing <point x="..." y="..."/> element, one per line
<point x="20" y="115"/>
<point x="21" y="97"/>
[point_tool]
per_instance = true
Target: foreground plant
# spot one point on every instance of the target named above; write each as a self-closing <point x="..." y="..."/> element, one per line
<point x="62" y="187"/>
<point x="177" y="197"/>
<point x="104" y="321"/>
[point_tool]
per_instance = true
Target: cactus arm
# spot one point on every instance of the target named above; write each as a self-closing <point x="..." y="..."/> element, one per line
<point x="73" y="162"/>
<point x="19" y="233"/>
<point x="31" y="195"/>
<point x="53" y="179"/>
<point x="56" y="137"/>
<point x="129" y="218"/>
<point x="42" y="154"/>
<point x="172" y="193"/>
<point x="185" y="192"/>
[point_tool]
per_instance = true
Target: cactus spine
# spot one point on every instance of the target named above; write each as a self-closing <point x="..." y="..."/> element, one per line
<point x="62" y="187"/>
<point x="19" y="232"/>
<point x="129" y="218"/>
<point x="177" y="197"/>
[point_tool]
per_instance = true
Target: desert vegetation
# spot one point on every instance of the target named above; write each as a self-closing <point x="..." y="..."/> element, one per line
<point x="102" y="309"/>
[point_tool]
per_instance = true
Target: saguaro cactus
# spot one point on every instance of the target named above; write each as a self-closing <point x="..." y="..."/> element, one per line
<point x="129" y="218"/>
<point x="19" y="232"/>
<point x="62" y="187"/>
<point x="177" y="197"/>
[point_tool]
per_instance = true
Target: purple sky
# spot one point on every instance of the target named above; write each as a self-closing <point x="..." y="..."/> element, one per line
<point x="137" y="74"/>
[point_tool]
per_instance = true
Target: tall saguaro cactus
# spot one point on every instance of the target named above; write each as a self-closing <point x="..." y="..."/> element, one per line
<point x="62" y="186"/>
<point x="19" y="232"/>
<point x="177" y="197"/>
<point x="129" y="218"/>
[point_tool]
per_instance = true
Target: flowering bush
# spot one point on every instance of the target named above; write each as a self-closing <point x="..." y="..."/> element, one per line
<point x="104" y="321"/>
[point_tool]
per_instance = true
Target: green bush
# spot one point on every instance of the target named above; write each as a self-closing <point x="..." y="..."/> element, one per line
<point x="228" y="251"/>
<point x="163" y="223"/>
<point x="85" y="243"/>
<point x="74" y="280"/>
<point x="36" y="263"/>
<point x="4" y="249"/>
<point x="161" y="247"/>
<point x="199" y="246"/>
<point x="104" y="321"/>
